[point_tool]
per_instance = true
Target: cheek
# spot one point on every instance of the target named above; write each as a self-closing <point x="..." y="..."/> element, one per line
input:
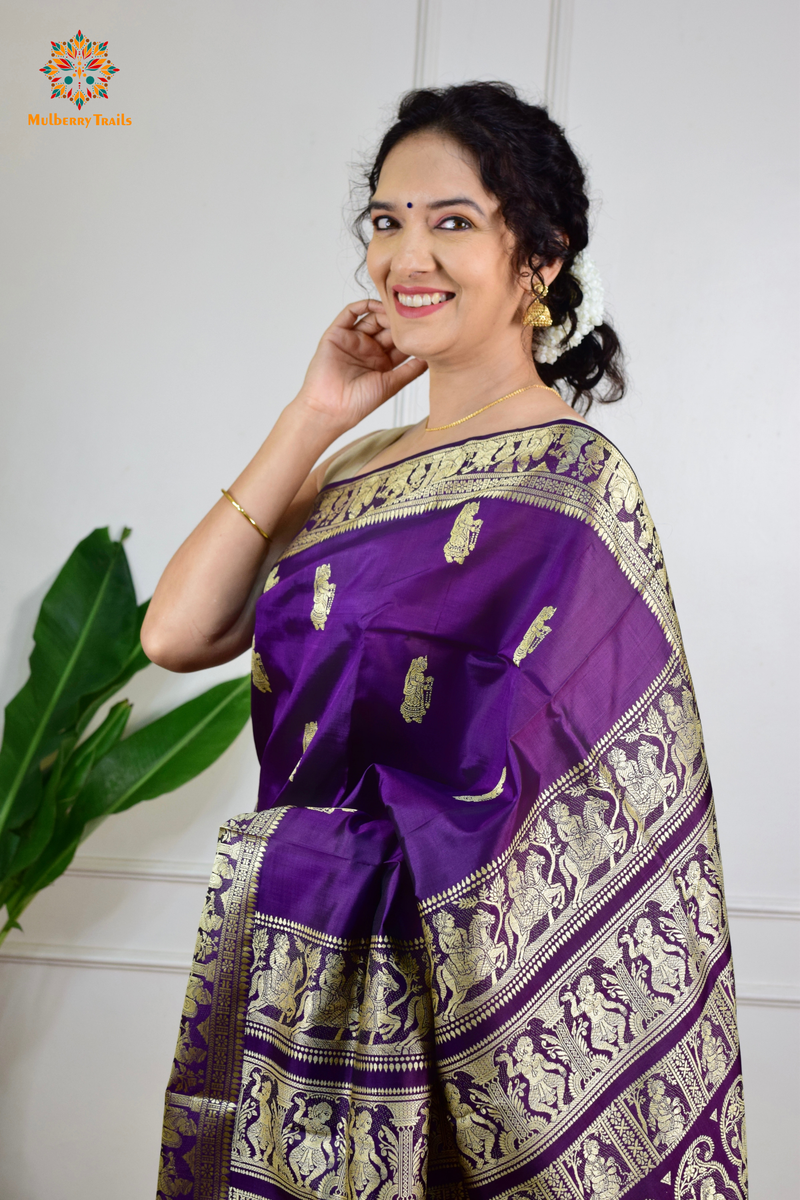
<point x="376" y="263"/>
<point x="485" y="278"/>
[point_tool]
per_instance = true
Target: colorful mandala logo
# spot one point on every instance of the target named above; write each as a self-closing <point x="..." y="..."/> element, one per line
<point x="79" y="70"/>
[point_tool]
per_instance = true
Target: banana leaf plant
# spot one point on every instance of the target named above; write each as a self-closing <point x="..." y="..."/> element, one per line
<point x="56" y="782"/>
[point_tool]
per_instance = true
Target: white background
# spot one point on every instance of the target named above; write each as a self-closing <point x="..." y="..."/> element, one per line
<point x="165" y="283"/>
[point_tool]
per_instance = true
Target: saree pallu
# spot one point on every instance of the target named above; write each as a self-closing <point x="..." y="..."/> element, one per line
<point x="473" y="941"/>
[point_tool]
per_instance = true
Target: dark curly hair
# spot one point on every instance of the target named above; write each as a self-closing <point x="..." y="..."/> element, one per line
<point x="526" y="162"/>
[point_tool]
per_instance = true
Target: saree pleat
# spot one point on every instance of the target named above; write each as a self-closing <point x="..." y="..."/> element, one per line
<point x="473" y="943"/>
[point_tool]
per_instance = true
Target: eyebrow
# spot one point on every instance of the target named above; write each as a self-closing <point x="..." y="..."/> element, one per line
<point x="435" y="204"/>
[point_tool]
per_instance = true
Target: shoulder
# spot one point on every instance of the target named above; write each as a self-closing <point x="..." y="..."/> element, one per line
<point x="324" y="471"/>
<point x="349" y="460"/>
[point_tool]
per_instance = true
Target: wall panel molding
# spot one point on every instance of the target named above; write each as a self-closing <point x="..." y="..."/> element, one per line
<point x="426" y="45"/>
<point x="768" y="995"/>
<point x="764" y="908"/>
<point x="152" y="869"/>
<point x="559" y="53"/>
<point x="115" y="958"/>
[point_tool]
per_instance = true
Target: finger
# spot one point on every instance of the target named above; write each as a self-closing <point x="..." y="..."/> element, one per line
<point x="363" y="351"/>
<point x="406" y="373"/>
<point x="349" y="315"/>
<point x="384" y="338"/>
<point x="369" y="324"/>
<point x="395" y="356"/>
<point x="381" y="317"/>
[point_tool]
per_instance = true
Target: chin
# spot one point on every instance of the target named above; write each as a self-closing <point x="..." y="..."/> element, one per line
<point x="416" y="343"/>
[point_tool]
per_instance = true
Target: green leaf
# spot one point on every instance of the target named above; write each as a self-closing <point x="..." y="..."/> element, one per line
<point x="52" y="863"/>
<point x="61" y="840"/>
<point x="88" y="752"/>
<point x="8" y="848"/>
<point x="136" y="661"/>
<point x="165" y="754"/>
<point x="85" y="634"/>
<point x="37" y="833"/>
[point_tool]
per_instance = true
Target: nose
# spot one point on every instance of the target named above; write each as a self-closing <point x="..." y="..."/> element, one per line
<point x="413" y="250"/>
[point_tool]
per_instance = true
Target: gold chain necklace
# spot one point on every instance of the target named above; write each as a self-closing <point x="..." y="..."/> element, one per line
<point x="435" y="428"/>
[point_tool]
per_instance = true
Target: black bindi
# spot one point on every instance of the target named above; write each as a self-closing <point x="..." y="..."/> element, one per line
<point x="409" y="204"/>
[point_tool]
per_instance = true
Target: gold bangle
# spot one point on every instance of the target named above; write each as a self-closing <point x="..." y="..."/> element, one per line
<point x="246" y="516"/>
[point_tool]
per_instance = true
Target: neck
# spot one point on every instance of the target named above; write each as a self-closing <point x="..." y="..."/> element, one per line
<point x="459" y="388"/>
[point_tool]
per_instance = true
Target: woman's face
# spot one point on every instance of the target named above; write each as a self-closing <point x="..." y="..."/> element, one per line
<point x="437" y="233"/>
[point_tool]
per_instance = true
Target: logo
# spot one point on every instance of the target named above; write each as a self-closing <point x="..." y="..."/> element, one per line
<point x="79" y="70"/>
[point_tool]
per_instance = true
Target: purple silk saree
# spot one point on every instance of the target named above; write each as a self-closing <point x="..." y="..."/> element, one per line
<point x="473" y="942"/>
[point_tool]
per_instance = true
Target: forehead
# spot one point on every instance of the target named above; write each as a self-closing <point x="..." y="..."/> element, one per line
<point x="433" y="165"/>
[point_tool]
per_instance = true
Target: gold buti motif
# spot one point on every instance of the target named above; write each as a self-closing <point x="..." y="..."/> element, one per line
<point x="492" y="795"/>
<point x="257" y="672"/>
<point x="309" y="731"/>
<point x="464" y="533"/>
<point x="271" y="579"/>
<point x="324" y="592"/>
<point x="416" y="691"/>
<point x="535" y="635"/>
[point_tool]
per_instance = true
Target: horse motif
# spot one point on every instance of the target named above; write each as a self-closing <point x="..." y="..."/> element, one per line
<point x="589" y="841"/>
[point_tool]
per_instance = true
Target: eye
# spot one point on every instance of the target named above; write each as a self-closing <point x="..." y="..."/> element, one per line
<point x="383" y="222"/>
<point x="456" y="223"/>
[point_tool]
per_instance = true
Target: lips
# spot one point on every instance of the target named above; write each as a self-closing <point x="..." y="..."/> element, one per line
<point x="420" y="302"/>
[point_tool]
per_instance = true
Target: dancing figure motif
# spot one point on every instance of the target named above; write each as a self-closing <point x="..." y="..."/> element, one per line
<point x="667" y="963"/>
<point x="367" y="1169"/>
<point x="475" y="1134"/>
<point x="607" y="1019"/>
<point x="546" y="1080"/>
<point x="313" y="1155"/>
<point x="708" y="900"/>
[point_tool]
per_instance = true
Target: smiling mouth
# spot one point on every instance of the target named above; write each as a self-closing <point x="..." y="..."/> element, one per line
<point x="420" y="303"/>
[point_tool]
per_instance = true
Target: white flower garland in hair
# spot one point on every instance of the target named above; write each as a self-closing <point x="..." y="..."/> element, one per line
<point x="589" y="312"/>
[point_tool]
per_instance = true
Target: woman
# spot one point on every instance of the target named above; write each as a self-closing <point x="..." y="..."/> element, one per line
<point x="464" y="646"/>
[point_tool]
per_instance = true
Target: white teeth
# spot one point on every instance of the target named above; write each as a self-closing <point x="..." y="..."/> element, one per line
<point x="420" y="299"/>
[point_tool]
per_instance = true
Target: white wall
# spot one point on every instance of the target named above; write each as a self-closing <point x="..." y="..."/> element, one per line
<point x="164" y="285"/>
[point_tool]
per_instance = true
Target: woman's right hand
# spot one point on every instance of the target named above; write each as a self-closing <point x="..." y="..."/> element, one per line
<point x="356" y="367"/>
<point x="202" y="611"/>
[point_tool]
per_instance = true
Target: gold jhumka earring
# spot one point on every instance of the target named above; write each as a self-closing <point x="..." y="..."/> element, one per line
<point x="538" y="314"/>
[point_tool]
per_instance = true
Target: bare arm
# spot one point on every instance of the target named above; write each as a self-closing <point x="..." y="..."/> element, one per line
<point x="203" y="609"/>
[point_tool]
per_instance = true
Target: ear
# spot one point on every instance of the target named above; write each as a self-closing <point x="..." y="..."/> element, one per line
<point x="546" y="271"/>
<point x="550" y="270"/>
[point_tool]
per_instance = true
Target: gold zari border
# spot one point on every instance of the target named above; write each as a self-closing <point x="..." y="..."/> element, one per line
<point x="565" y="468"/>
